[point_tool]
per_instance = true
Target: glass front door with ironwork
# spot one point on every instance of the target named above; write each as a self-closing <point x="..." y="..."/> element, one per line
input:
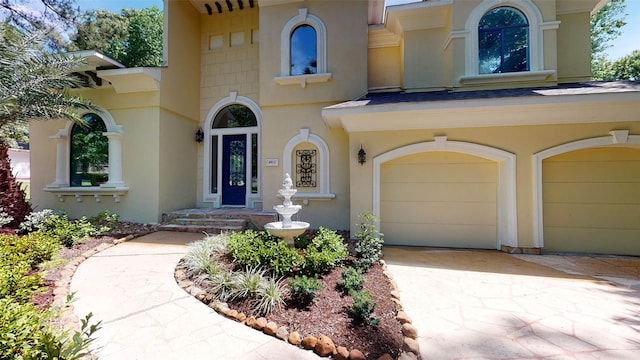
<point x="234" y="154"/>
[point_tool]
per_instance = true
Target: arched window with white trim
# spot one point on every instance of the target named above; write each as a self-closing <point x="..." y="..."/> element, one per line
<point x="303" y="51"/>
<point x="89" y="158"/>
<point x="503" y="41"/>
<point x="89" y="147"/>
<point x="306" y="159"/>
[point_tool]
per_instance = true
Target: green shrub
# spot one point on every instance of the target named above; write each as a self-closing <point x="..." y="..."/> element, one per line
<point x="32" y="248"/>
<point x="303" y="290"/>
<point x="69" y="232"/>
<point x="361" y="310"/>
<point x="20" y="326"/>
<point x="16" y="282"/>
<point x="63" y="345"/>
<point x="35" y="221"/>
<point x="270" y="295"/>
<point x="301" y="241"/>
<point x="368" y="241"/>
<point x="326" y="251"/>
<point x="105" y="219"/>
<point x="351" y="280"/>
<point x="258" y="249"/>
<point x="25" y="334"/>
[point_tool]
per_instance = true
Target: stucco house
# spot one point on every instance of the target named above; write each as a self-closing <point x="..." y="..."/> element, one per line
<point x="459" y="123"/>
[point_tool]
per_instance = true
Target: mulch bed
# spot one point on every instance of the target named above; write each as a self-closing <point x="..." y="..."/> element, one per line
<point x="327" y="315"/>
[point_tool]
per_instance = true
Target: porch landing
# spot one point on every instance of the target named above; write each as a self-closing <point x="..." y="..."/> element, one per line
<point x="215" y="221"/>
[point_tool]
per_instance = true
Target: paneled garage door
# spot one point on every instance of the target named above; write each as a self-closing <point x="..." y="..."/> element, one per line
<point x="443" y="199"/>
<point x="591" y="201"/>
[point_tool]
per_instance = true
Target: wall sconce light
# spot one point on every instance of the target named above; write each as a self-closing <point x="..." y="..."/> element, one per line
<point x="199" y="135"/>
<point x="362" y="156"/>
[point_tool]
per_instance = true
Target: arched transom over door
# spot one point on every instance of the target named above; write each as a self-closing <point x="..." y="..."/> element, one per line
<point x="442" y="199"/>
<point x="232" y="158"/>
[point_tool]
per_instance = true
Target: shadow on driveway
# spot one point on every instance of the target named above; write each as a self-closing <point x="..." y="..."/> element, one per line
<point x="485" y="304"/>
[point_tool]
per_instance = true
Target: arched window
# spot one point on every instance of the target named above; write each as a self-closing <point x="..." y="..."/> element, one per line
<point x="306" y="158"/>
<point x="89" y="161"/>
<point x="503" y="41"/>
<point x="89" y="155"/>
<point x="303" y="46"/>
<point x="304" y="52"/>
<point x="235" y="115"/>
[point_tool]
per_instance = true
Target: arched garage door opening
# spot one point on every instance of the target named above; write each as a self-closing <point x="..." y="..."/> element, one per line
<point x="446" y="194"/>
<point x="591" y="201"/>
<point x="588" y="195"/>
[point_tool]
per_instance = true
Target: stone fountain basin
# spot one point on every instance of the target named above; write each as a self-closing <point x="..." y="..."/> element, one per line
<point x="287" y="233"/>
<point x="287" y="210"/>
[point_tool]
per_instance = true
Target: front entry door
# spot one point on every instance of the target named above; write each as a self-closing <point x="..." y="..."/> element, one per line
<point x="234" y="169"/>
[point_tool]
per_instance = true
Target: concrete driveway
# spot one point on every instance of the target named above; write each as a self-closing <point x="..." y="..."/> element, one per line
<point x="475" y="304"/>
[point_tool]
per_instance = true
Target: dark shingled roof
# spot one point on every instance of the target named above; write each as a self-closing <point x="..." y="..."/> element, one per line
<point x="586" y="88"/>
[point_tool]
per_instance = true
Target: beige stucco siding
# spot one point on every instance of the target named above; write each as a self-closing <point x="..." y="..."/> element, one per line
<point x="439" y="199"/>
<point x="177" y="156"/>
<point x="592" y="201"/>
<point x="346" y="49"/>
<point x="573" y="48"/>
<point x="280" y="125"/>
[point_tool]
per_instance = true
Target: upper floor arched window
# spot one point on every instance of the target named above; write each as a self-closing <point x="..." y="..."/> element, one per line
<point x="304" y="45"/>
<point x="304" y="52"/>
<point x="89" y="161"/>
<point x="503" y="41"/>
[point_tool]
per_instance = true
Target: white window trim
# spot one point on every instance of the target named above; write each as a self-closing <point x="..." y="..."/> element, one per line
<point x="114" y="187"/>
<point x="303" y="18"/>
<point x="618" y="138"/>
<point x="251" y="200"/>
<point x="507" y="217"/>
<point x="537" y="26"/>
<point x="324" y="178"/>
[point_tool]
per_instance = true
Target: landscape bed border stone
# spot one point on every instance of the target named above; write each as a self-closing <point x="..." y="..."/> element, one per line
<point x="322" y="345"/>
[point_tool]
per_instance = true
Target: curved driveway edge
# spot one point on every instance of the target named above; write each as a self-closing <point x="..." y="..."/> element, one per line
<point x="146" y="315"/>
<point x="470" y="304"/>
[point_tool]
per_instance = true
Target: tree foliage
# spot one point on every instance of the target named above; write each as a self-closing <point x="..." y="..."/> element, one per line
<point x="52" y="17"/>
<point x="625" y="68"/>
<point x="33" y="85"/>
<point x="606" y="25"/>
<point x="132" y="37"/>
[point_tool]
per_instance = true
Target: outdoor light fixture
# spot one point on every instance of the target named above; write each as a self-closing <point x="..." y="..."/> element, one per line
<point x="362" y="156"/>
<point x="199" y="135"/>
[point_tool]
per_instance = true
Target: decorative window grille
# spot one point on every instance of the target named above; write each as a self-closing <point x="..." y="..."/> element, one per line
<point x="306" y="169"/>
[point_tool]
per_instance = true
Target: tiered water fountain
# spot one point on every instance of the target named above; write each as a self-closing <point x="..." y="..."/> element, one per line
<point x="287" y="229"/>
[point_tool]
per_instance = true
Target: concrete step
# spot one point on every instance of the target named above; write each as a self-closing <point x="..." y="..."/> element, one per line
<point x="200" y="228"/>
<point x="209" y="222"/>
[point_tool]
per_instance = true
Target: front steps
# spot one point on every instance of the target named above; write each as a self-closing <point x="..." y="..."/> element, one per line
<point x="215" y="221"/>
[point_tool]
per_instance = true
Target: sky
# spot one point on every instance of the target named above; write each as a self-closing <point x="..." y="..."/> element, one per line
<point x="623" y="45"/>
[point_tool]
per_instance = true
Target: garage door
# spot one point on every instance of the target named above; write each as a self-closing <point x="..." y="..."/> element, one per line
<point x="591" y="201"/>
<point x="443" y="199"/>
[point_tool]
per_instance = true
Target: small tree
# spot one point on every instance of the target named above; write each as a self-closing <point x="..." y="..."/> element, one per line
<point x="368" y="241"/>
<point x="33" y="85"/>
